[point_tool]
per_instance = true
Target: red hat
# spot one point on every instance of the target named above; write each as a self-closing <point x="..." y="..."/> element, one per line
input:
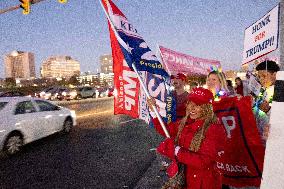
<point x="180" y="76"/>
<point x="201" y="96"/>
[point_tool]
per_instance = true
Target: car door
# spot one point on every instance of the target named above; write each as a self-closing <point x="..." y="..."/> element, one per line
<point x="53" y="117"/>
<point x="25" y="116"/>
<point x="88" y="91"/>
<point x="84" y="92"/>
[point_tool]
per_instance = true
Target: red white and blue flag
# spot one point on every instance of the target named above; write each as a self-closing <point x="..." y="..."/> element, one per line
<point x="133" y="46"/>
<point x="128" y="48"/>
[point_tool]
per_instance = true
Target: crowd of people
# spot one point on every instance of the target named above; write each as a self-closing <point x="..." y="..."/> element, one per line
<point x="198" y="135"/>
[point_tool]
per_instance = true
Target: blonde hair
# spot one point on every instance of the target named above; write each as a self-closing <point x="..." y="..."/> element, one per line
<point x="209" y="116"/>
<point x="222" y="79"/>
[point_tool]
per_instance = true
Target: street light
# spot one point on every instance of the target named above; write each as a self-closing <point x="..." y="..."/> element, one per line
<point x="25" y="5"/>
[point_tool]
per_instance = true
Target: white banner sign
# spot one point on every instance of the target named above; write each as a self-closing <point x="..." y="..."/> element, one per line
<point x="261" y="37"/>
<point x="254" y="86"/>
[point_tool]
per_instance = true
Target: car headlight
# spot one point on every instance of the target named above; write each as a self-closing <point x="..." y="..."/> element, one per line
<point x="64" y="93"/>
<point x="42" y="93"/>
<point x="73" y="113"/>
<point x="73" y="93"/>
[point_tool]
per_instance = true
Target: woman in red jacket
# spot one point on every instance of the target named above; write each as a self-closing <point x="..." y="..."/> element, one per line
<point x="239" y="86"/>
<point x="195" y="142"/>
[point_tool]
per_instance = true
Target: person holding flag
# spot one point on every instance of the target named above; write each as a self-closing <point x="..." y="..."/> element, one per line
<point x="193" y="144"/>
<point x="267" y="77"/>
<point x="180" y="97"/>
<point x="179" y="94"/>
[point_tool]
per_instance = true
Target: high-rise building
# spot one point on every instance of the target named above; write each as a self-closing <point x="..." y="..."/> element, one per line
<point x="19" y="64"/>
<point x="106" y="64"/>
<point x="60" y="67"/>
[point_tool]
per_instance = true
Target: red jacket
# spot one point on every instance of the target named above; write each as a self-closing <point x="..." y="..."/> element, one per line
<point x="181" y="101"/>
<point x="240" y="90"/>
<point x="200" y="171"/>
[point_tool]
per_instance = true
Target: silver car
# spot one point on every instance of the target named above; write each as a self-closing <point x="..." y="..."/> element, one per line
<point x="26" y="119"/>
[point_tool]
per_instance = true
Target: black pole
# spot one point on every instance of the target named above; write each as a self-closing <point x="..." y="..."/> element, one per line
<point x="279" y="85"/>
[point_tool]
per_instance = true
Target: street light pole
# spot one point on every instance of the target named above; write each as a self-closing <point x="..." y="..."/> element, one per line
<point x="274" y="154"/>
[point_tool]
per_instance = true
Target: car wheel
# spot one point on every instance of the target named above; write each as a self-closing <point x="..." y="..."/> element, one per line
<point x="13" y="144"/>
<point x="67" y="126"/>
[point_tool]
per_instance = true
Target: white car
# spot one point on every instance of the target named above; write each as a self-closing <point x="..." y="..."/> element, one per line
<point x="26" y="119"/>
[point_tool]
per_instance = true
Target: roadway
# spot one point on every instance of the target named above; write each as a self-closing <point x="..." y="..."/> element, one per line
<point x="102" y="151"/>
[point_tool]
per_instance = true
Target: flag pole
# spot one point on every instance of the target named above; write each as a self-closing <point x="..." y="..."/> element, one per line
<point x="161" y="58"/>
<point x="154" y="107"/>
<point x="138" y="75"/>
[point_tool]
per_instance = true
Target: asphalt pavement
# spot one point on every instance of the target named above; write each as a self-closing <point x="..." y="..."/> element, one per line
<point x="103" y="151"/>
<point x="154" y="177"/>
<point x="73" y="161"/>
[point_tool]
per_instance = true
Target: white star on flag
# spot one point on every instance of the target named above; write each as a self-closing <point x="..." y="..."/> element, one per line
<point x="129" y="49"/>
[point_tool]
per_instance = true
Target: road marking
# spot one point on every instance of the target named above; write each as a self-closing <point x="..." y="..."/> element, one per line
<point x="92" y="114"/>
<point x="128" y="121"/>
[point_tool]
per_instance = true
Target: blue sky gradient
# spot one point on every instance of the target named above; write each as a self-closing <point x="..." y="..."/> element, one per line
<point x="203" y="28"/>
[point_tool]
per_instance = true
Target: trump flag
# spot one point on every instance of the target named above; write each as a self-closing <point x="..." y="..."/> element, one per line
<point x="241" y="162"/>
<point x="133" y="46"/>
<point x="129" y="48"/>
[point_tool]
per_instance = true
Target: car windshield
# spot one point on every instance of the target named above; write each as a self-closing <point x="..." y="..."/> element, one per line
<point x="2" y="105"/>
<point x="49" y="89"/>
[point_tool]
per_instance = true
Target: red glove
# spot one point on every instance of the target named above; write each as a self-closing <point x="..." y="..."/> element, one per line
<point x="167" y="148"/>
<point x="172" y="169"/>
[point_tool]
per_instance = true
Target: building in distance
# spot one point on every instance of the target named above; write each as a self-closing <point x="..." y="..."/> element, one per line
<point x="60" y="67"/>
<point x="106" y="62"/>
<point x="99" y="80"/>
<point x="20" y="65"/>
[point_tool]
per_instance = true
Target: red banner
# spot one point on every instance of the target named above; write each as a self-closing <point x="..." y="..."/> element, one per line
<point x="242" y="160"/>
<point x="125" y="82"/>
<point x="176" y="62"/>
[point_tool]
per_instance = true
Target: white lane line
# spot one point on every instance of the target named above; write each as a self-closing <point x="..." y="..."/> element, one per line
<point x="128" y="121"/>
<point x="92" y="114"/>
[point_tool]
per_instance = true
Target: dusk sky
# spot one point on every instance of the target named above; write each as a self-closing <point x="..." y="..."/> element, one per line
<point x="203" y="28"/>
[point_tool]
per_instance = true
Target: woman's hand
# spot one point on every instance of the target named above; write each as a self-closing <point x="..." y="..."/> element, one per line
<point x="151" y="102"/>
<point x="264" y="106"/>
<point x="167" y="148"/>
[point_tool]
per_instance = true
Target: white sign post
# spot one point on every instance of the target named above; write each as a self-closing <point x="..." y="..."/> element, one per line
<point x="261" y="37"/>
